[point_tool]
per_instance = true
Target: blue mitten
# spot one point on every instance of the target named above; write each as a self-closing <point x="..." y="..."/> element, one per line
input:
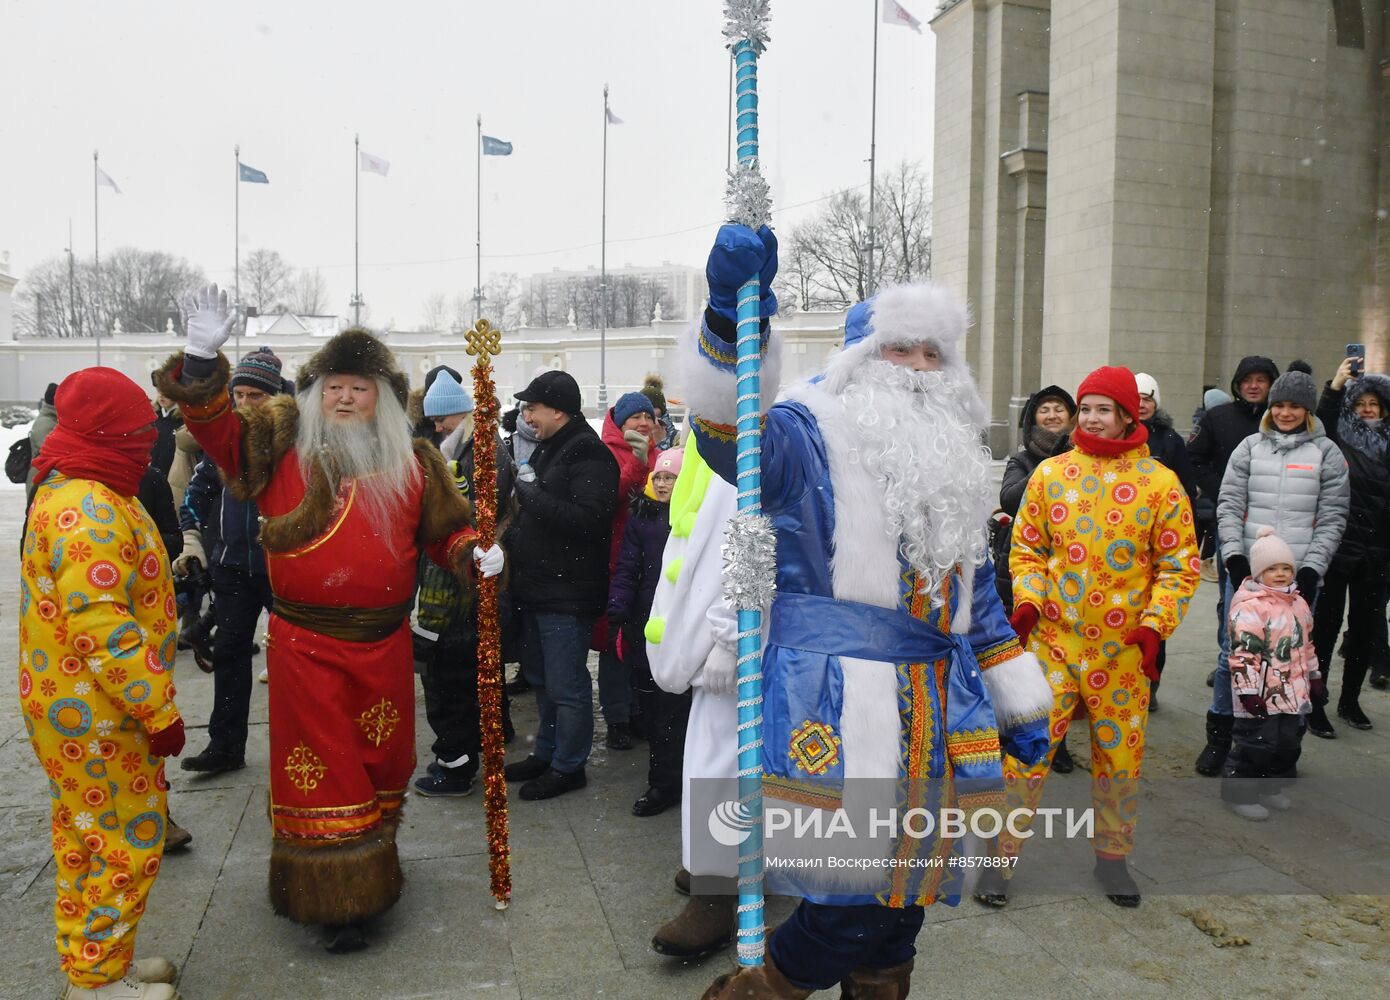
<point x="1028" y="743"/>
<point x="737" y="254"/>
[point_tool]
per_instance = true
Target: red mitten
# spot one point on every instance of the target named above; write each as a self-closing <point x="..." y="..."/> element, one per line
<point x="1024" y="619"/>
<point x="1148" y="642"/>
<point x="168" y="742"/>
<point x="1255" y="705"/>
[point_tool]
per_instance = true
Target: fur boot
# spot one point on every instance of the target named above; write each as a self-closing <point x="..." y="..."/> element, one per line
<point x="878" y="984"/>
<point x="755" y="982"/>
<point x="706" y="924"/>
<point x="336" y="883"/>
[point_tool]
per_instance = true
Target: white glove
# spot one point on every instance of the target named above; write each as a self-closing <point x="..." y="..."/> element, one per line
<point x="490" y="562"/>
<point x="192" y="549"/>
<point x="209" y="323"/>
<point x="721" y="670"/>
<point x="525" y="473"/>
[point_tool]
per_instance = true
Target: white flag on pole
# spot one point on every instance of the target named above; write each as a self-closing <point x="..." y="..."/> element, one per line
<point x="895" y="13"/>
<point x="104" y="178"/>
<point x="373" y="164"/>
<point x="612" y="118"/>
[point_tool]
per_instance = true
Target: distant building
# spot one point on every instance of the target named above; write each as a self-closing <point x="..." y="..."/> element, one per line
<point x="683" y="288"/>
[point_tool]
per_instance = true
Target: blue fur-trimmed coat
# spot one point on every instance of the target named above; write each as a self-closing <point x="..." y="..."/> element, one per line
<point x="830" y="716"/>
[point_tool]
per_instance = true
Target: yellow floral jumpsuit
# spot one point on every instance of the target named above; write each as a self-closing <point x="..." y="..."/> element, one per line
<point x="1102" y="545"/>
<point x="97" y="623"/>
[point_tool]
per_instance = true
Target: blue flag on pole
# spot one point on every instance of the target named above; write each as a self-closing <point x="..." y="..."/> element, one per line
<point x="253" y="176"/>
<point x="496" y="147"/>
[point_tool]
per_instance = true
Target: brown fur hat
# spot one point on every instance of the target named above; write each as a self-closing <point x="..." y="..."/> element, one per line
<point x="356" y="352"/>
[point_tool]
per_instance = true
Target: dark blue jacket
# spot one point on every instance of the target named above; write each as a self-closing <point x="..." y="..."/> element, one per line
<point x="639" y="563"/>
<point x="207" y="506"/>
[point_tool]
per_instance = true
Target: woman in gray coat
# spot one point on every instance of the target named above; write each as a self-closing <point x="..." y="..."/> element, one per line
<point x="1292" y="477"/>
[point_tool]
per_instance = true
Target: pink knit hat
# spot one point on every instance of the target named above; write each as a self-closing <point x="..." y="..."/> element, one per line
<point x="669" y="461"/>
<point x="1269" y="550"/>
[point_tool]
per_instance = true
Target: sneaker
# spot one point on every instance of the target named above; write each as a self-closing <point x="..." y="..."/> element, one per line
<point x="126" y="988"/>
<point x="153" y="970"/>
<point x="991" y="890"/>
<point x="446" y="783"/>
<point x="526" y="770"/>
<point x="1119" y="885"/>
<point x="264" y="676"/>
<point x="1252" y="811"/>
<point x="619" y="736"/>
<point x="553" y="783"/>
<point x="1277" y="801"/>
<point x="212" y="762"/>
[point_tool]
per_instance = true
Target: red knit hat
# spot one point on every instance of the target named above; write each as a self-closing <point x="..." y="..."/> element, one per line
<point x="1116" y="382"/>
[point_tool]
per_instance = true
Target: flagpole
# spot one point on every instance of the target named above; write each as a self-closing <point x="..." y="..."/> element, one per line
<point x="603" y="272"/>
<point x="236" y="269"/>
<point x="478" y="243"/>
<point x="96" y="252"/>
<point x="356" y="231"/>
<point x="873" y="130"/>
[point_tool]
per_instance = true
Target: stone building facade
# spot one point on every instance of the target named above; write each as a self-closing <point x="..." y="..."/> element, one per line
<point x="1167" y="184"/>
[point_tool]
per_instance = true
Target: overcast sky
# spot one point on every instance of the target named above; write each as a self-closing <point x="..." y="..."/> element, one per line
<point x="165" y="89"/>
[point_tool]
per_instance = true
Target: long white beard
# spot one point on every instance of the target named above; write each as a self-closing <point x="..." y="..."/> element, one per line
<point x="377" y="453"/>
<point x="914" y="435"/>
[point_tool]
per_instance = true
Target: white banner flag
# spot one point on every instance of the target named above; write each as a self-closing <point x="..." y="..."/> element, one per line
<point x="104" y="178"/>
<point x="612" y="118"/>
<point x="894" y="13"/>
<point x="373" y="164"/>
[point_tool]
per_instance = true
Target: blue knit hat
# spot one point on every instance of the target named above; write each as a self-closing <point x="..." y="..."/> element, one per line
<point x="447" y="397"/>
<point x="630" y="403"/>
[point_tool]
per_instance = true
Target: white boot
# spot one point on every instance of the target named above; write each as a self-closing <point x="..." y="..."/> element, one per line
<point x="153" y="970"/>
<point x="126" y="988"/>
<point x="1278" y="801"/>
<point x="1252" y="811"/>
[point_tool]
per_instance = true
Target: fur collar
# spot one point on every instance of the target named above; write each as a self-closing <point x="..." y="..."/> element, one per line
<point x="1355" y="433"/>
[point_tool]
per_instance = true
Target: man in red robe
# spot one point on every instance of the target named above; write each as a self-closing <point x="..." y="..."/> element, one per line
<point x="347" y="503"/>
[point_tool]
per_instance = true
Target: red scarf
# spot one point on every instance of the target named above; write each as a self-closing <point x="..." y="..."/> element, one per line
<point x="104" y="431"/>
<point x="1091" y="444"/>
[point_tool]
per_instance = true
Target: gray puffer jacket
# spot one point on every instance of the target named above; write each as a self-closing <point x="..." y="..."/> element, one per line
<point x="1295" y="483"/>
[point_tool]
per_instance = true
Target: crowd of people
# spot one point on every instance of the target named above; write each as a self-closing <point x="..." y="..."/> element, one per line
<point x="341" y="504"/>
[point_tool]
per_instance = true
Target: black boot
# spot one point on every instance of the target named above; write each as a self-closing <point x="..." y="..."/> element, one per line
<point x="1061" y="759"/>
<point x="1118" y="884"/>
<point x="1318" y="724"/>
<point x="1213" y="755"/>
<point x="1351" y="711"/>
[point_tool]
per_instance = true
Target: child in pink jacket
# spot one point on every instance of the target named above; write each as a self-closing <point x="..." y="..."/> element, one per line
<point x="1274" y="680"/>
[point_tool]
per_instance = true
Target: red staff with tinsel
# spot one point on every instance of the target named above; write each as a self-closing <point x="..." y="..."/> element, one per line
<point x="485" y="342"/>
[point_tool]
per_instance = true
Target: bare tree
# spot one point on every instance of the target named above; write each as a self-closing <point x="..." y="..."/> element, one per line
<point x="308" y="293"/>
<point x="144" y="289"/>
<point x="264" y="279"/>
<point x="904" y="225"/>
<point x="502" y="298"/>
<point x="435" y="313"/>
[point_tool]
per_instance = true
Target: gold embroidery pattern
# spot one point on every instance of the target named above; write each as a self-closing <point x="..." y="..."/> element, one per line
<point x="305" y="769"/>
<point x="379" y="722"/>
<point x="815" y="748"/>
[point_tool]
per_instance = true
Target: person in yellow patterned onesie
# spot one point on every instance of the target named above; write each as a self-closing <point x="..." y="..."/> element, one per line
<point x="97" y="631"/>
<point x="1104" y="562"/>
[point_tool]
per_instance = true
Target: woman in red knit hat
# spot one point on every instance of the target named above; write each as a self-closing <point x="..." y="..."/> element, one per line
<point x="1104" y="562"/>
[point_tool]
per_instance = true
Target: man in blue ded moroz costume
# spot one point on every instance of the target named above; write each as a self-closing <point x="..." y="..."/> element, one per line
<point x="887" y="653"/>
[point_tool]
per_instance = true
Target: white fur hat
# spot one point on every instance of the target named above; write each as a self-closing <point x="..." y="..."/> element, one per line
<point x="910" y="314"/>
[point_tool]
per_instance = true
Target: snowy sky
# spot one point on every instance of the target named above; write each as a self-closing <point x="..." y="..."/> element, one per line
<point x="165" y="89"/>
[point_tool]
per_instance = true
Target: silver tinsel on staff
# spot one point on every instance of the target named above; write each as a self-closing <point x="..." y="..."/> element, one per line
<point x="750" y="561"/>
<point x="747" y="20"/>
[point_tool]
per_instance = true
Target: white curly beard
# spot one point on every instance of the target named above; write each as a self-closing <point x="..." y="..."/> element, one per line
<point x="914" y="436"/>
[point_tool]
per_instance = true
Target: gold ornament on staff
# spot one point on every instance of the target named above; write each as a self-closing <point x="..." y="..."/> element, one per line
<point x="484" y="342"/>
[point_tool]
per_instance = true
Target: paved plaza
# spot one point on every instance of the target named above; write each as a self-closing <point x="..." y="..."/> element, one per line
<point x="592" y="881"/>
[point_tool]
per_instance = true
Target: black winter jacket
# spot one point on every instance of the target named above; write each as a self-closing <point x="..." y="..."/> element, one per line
<point x="559" y="540"/>
<point x="158" y="501"/>
<point x="231" y="528"/>
<point x="639" y="563"/>
<point x="1365" y="548"/>
<point x="1167" y="445"/>
<point x="1022" y="463"/>
<point x="1223" y="427"/>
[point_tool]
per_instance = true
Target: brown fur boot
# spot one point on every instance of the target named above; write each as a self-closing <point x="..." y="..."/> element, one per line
<point x="706" y="924"/>
<point x="339" y="883"/>
<point x="755" y="982"/>
<point x="877" y="984"/>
